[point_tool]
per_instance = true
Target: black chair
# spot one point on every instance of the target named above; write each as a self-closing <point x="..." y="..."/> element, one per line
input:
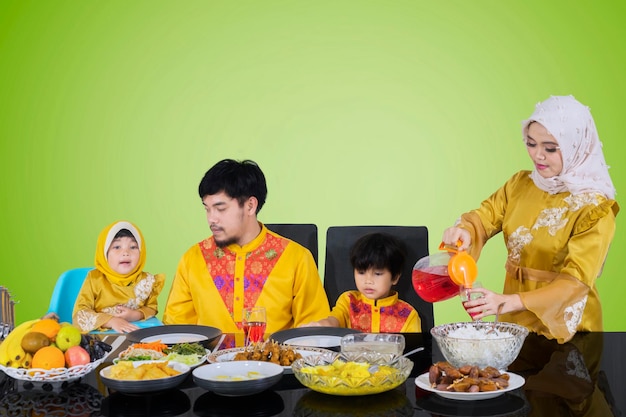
<point x="304" y="234"/>
<point x="339" y="276"/>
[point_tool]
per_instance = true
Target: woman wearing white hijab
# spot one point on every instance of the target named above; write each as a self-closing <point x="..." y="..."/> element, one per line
<point x="557" y="222"/>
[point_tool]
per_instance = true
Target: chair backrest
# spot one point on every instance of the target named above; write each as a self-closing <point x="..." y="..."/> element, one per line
<point x="65" y="292"/>
<point x="339" y="275"/>
<point x="304" y="234"/>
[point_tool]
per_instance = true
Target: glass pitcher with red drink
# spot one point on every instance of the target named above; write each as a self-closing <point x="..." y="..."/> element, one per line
<point x="438" y="277"/>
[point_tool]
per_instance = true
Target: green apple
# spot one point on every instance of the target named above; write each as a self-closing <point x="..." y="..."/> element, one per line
<point x="67" y="337"/>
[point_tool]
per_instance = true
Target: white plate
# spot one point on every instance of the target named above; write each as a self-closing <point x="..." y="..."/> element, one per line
<point x="175" y="338"/>
<point x="227" y="355"/>
<point x="323" y="341"/>
<point x="515" y="382"/>
<point x="233" y="378"/>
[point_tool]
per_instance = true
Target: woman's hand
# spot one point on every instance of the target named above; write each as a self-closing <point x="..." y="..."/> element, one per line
<point x="454" y="234"/>
<point x="487" y="305"/>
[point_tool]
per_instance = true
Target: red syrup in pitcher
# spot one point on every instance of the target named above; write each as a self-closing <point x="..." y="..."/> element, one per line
<point x="434" y="284"/>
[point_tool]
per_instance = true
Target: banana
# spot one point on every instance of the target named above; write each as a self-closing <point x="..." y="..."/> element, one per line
<point x="5" y="360"/>
<point x="28" y="360"/>
<point x="13" y="343"/>
<point x="16" y="353"/>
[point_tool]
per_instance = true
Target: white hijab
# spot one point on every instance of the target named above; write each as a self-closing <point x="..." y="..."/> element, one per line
<point x="571" y="124"/>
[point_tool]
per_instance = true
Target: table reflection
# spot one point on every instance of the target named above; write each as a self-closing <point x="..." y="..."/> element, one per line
<point x="391" y="403"/>
<point x="506" y="405"/>
<point x="265" y="404"/>
<point x="169" y="403"/>
<point x="565" y="379"/>
<point x="75" y="399"/>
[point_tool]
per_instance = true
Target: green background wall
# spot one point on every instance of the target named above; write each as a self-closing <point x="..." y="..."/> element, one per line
<point x="359" y="112"/>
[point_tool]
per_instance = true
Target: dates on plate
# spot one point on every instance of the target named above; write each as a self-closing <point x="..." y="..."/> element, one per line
<point x="445" y="377"/>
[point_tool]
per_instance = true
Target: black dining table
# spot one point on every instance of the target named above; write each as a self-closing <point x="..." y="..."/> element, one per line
<point x="584" y="377"/>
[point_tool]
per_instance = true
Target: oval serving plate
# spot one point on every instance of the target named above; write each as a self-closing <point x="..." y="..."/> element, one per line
<point x="227" y="355"/>
<point x="515" y="382"/>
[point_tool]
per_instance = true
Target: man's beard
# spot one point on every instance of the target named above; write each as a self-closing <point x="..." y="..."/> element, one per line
<point x="223" y="243"/>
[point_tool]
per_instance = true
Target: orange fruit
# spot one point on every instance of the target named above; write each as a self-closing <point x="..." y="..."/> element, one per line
<point x="48" y="357"/>
<point x="49" y="327"/>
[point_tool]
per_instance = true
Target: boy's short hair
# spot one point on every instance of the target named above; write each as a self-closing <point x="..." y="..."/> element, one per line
<point x="378" y="250"/>
<point x="238" y="179"/>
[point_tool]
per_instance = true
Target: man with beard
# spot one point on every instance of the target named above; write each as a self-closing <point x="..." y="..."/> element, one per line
<point x="243" y="264"/>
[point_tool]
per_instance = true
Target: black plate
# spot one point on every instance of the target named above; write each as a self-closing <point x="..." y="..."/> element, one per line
<point x="146" y="385"/>
<point x="202" y="334"/>
<point x="284" y="335"/>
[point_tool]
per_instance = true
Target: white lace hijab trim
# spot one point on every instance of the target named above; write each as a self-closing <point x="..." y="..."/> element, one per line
<point x="584" y="168"/>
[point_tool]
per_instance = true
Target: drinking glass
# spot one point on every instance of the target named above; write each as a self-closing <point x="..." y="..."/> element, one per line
<point x="465" y="295"/>
<point x="254" y="322"/>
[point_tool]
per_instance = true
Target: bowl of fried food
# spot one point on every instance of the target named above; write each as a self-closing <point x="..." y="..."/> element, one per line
<point x="144" y="376"/>
<point x="347" y="374"/>
<point x="237" y="378"/>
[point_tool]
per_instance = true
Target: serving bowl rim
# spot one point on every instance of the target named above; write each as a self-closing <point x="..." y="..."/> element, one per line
<point x="501" y="326"/>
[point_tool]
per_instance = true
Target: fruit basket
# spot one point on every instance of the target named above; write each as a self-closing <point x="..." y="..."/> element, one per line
<point x="51" y="375"/>
<point x="48" y="352"/>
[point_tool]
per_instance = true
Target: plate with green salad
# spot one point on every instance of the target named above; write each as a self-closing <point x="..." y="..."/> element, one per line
<point x="190" y="354"/>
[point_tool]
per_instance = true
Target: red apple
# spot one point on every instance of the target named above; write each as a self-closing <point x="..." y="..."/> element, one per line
<point x="76" y="355"/>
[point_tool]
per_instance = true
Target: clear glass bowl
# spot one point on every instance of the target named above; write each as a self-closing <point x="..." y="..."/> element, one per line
<point x="383" y="343"/>
<point x="469" y="344"/>
<point x="347" y="384"/>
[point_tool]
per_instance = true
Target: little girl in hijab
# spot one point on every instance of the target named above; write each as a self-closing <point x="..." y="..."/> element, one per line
<point x="118" y="292"/>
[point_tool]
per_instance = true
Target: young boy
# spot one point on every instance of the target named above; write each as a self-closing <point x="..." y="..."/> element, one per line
<point x="377" y="259"/>
<point x="118" y="292"/>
